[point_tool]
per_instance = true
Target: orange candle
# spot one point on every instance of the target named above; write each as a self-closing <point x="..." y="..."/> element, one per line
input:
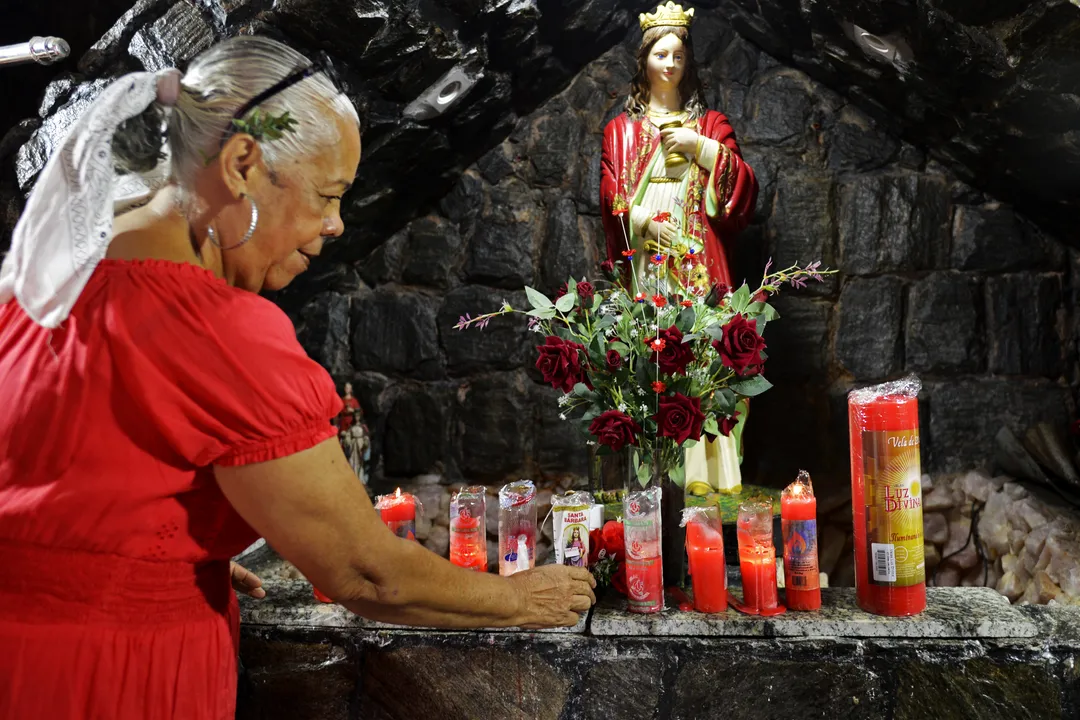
<point x="468" y="534"/>
<point x="705" y="549"/>
<point x="886" y="498"/>
<point x="798" y="516"/>
<point x="757" y="558"/>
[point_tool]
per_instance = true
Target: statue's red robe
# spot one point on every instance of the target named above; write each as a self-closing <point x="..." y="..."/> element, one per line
<point x="628" y="147"/>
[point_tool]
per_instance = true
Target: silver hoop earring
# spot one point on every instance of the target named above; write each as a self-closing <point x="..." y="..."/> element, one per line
<point x="247" y="236"/>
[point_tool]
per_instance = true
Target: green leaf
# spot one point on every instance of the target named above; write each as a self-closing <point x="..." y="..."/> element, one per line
<point x="716" y="332"/>
<point x="566" y="302"/>
<point x="645" y="375"/>
<point x="740" y="299"/>
<point x="711" y="426"/>
<point x="751" y="386"/>
<point x="678" y="473"/>
<point x="644" y="474"/>
<point x="581" y="390"/>
<point x="596" y="300"/>
<point x="544" y="313"/>
<point x="691" y="337"/>
<point x="620" y="347"/>
<point x="537" y="299"/>
<point x="685" y="321"/>
<point x="604" y="322"/>
<point x="725" y="401"/>
<point x="766" y="311"/>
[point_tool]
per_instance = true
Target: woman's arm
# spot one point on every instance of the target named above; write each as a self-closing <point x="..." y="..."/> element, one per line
<point x="313" y="510"/>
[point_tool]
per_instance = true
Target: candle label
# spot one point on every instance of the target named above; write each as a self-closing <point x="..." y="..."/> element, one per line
<point x="405" y="529"/>
<point x="800" y="554"/>
<point x="572" y="526"/>
<point x="893" y="498"/>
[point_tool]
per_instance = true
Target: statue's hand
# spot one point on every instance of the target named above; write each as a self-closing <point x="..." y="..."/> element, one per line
<point x="680" y="140"/>
<point x="665" y="233"/>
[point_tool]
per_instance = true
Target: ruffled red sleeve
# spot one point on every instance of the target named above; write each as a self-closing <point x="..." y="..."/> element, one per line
<point x="217" y="371"/>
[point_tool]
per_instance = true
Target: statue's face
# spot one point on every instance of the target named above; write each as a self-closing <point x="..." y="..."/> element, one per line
<point x="667" y="62"/>
<point x="348" y="388"/>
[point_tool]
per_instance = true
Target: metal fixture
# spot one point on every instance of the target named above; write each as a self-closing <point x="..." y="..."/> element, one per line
<point x="444" y="93"/>
<point x="40" y="50"/>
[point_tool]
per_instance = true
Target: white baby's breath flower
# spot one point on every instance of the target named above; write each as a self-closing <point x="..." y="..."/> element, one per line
<point x="564" y="400"/>
<point x="622" y="407"/>
<point x="562" y="416"/>
<point x="633" y="332"/>
<point x="644" y="408"/>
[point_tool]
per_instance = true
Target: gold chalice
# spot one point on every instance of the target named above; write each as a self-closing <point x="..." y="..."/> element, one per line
<point x="675" y="159"/>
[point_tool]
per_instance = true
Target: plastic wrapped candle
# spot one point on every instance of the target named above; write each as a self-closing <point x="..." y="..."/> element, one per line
<point x="757" y="558"/>
<point x="886" y="498"/>
<point x="468" y="532"/>
<point x="398" y="512"/>
<point x="705" y="548"/>
<point x="798" y="516"/>
<point x="644" y="558"/>
<point x="517" y="527"/>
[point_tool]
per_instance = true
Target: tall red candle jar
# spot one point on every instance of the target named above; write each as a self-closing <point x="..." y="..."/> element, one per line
<point x="757" y="558"/>
<point x="886" y="494"/>
<point x="468" y="531"/>
<point x="644" y="557"/>
<point x="705" y="550"/>
<point x="398" y="512"/>
<point x="798" y="517"/>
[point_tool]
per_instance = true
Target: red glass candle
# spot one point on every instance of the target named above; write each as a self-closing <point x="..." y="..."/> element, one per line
<point x="468" y="534"/>
<point x="398" y="512"/>
<point x="705" y="549"/>
<point x="798" y="516"/>
<point x="886" y="494"/>
<point x="644" y="556"/>
<point x="757" y="558"/>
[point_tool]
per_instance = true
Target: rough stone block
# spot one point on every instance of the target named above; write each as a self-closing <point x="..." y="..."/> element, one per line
<point x="492" y="415"/>
<point x="801" y="229"/>
<point x="892" y="222"/>
<point x="1021" y="320"/>
<point x="474" y="682"/>
<point x="415" y="437"/>
<point x="799" y="340"/>
<point x="868" y="334"/>
<point x="735" y="688"/>
<point x="501" y="249"/>
<point x="778" y="108"/>
<point x="347" y="24"/>
<point x="295" y="680"/>
<point x="433" y="248"/>
<point x="976" y="689"/>
<point x="323" y="331"/>
<point x="173" y="39"/>
<point x="564" y="248"/>
<point x="966" y="414"/>
<point x="554" y="142"/>
<point x="395" y="331"/>
<point x="944" y="325"/>
<point x="855" y="142"/>
<point x="991" y="237"/>
<point x="558" y="445"/>
<point x="465" y="200"/>
<point x="505" y="344"/>
<point x="625" y="688"/>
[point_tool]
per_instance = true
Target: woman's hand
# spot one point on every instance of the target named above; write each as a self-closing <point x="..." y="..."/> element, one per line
<point x="554" y="595"/>
<point x="246" y="582"/>
<point x="680" y="140"/>
<point x="665" y="233"/>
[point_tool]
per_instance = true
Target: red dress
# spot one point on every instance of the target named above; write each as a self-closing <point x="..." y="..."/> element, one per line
<point x="115" y="599"/>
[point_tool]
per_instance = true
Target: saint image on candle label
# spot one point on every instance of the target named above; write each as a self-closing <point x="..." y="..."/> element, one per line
<point x="893" y="498"/>
<point x="800" y="554"/>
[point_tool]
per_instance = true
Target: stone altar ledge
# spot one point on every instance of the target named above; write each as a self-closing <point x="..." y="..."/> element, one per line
<point x="950" y="613"/>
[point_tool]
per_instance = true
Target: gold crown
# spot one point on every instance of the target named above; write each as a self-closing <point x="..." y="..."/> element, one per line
<point x="669" y="15"/>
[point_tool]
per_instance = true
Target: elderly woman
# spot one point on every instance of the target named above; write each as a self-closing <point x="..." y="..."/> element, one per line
<point x="204" y="423"/>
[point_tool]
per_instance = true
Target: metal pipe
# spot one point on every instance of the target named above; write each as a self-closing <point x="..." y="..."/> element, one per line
<point x="41" y="50"/>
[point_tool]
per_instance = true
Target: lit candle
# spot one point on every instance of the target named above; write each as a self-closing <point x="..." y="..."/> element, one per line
<point x="705" y="549"/>
<point x="757" y="558"/>
<point x="798" y="515"/>
<point x="398" y="512"/>
<point x="886" y="498"/>
<point x="468" y="535"/>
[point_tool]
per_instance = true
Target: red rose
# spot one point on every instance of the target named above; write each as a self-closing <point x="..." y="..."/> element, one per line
<point x="618" y="579"/>
<point x="613" y="538"/>
<point x="728" y="424"/>
<point x="679" y="418"/>
<point x="561" y="291"/>
<point x="596" y="544"/>
<point x="674" y="356"/>
<point x="614" y="360"/>
<point x="740" y="345"/>
<point x="760" y="297"/>
<point x="615" y="429"/>
<point x="608" y="268"/>
<point x="560" y="363"/>
<point x="585" y="291"/>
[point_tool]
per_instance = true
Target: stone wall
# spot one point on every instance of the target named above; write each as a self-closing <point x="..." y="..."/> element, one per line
<point x="935" y="279"/>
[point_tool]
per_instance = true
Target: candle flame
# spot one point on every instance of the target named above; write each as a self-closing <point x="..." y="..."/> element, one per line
<point x="397" y="493"/>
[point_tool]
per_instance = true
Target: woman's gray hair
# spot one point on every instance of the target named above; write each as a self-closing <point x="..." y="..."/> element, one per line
<point x="217" y="84"/>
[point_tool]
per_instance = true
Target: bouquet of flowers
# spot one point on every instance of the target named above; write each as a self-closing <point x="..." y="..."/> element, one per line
<point x="659" y="367"/>
<point x="606" y="554"/>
